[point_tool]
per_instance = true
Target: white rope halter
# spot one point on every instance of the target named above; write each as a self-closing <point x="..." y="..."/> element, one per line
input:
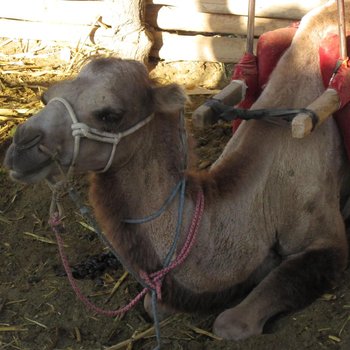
<point x="80" y="130"/>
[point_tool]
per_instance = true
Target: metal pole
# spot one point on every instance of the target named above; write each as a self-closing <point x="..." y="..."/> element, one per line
<point x="250" y="27"/>
<point x="342" y="30"/>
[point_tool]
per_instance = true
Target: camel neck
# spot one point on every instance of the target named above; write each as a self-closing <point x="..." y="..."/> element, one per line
<point x="139" y="189"/>
<point x="148" y="177"/>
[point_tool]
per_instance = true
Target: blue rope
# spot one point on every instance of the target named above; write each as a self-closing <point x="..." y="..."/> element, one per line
<point x="158" y="212"/>
<point x="156" y="319"/>
<point x="180" y="187"/>
<point x="184" y="145"/>
<point x="86" y="212"/>
<point x="171" y="251"/>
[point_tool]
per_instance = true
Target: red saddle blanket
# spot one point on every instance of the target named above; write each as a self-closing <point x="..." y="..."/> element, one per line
<point x="329" y="55"/>
<point x="256" y="70"/>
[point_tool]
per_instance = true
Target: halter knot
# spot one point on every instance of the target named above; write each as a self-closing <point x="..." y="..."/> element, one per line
<point x="154" y="281"/>
<point x="55" y="221"/>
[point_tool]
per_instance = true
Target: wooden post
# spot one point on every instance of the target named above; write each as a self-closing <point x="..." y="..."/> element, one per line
<point x="233" y="93"/>
<point x="323" y="107"/>
<point x="130" y="37"/>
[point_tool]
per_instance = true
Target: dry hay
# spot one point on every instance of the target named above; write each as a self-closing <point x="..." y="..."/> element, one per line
<point x="26" y="69"/>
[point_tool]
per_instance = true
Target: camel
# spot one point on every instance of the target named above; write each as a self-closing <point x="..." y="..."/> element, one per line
<point x="271" y="239"/>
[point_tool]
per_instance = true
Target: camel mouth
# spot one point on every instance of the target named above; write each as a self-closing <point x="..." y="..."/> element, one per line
<point x="32" y="176"/>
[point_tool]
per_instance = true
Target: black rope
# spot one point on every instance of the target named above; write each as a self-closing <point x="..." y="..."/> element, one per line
<point x="229" y="113"/>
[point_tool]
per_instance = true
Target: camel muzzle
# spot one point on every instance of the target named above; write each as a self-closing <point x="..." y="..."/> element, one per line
<point x="26" y="137"/>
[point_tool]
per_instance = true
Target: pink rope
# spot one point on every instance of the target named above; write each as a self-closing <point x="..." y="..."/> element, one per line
<point x="153" y="280"/>
<point x="82" y="297"/>
<point x="157" y="277"/>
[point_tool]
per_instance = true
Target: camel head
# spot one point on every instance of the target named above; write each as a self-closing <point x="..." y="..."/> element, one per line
<point x="110" y="99"/>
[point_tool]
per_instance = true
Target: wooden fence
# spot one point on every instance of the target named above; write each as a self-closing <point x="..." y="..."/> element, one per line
<point x="189" y="30"/>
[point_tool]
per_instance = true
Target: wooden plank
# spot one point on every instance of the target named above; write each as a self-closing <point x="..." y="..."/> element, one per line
<point x="291" y="9"/>
<point x="124" y="46"/>
<point x="72" y="21"/>
<point x="43" y="31"/>
<point x="173" y="47"/>
<point x="175" y="18"/>
<point x="57" y="11"/>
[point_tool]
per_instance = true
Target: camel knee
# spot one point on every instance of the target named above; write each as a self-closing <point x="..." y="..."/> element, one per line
<point x="236" y="324"/>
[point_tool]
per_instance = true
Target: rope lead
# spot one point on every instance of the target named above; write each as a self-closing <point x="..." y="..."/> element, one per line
<point x="150" y="282"/>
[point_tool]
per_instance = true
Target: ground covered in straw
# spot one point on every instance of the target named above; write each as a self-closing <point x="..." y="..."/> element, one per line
<point x="38" y="309"/>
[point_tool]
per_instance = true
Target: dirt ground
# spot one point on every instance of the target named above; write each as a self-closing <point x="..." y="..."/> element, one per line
<point x="39" y="310"/>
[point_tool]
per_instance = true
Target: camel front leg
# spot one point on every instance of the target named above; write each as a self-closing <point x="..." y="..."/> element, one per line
<point x="163" y="310"/>
<point x="294" y="284"/>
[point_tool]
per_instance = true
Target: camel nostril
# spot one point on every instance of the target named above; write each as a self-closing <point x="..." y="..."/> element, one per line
<point x="26" y="138"/>
<point x="29" y="143"/>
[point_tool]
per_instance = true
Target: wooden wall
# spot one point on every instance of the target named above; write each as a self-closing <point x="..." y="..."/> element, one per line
<point x="215" y="30"/>
<point x="189" y="30"/>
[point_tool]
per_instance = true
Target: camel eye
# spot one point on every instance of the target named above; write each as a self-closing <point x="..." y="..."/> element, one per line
<point x="109" y="116"/>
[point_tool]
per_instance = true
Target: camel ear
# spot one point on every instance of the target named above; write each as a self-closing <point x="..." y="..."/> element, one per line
<point x="169" y="98"/>
<point x="45" y="98"/>
<point x="56" y="90"/>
